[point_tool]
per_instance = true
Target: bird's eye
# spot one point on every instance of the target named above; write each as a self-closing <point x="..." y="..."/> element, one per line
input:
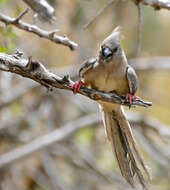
<point x="107" y="52"/>
<point x="115" y="49"/>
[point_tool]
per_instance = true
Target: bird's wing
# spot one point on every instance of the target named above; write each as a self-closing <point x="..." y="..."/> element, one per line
<point x="86" y="66"/>
<point x="132" y="80"/>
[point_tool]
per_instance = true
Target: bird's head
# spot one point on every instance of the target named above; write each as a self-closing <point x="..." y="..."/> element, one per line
<point x="110" y="47"/>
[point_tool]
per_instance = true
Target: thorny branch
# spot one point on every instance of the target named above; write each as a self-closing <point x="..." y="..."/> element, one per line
<point x="139" y="64"/>
<point x="36" y="71"/>
<point x="50" y="35"/>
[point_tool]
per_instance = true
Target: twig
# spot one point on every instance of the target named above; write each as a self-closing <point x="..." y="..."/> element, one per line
<point x="149" y="123"/>
<point x="99" y="13"/>
<point x="44" y="10"/>
<point x="139" y="40"/>
<point x="21" y="15"/>
<point x="37" y="72"/>
<point x="50" y="35"/>
<point x="90" y="162"/>
<point x="156" y="4"/>
<point x="47" y="140"/>
<point x="83" y="160"/>
<point x="40" y="178"/>
<point x="152" y="150"/>
<point x="143" y="128"/>
<point x="49" y="167"/>
<point x="146" y="64"/>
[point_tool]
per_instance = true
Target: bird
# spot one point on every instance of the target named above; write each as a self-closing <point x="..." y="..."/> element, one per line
<point x="110" y="72"/>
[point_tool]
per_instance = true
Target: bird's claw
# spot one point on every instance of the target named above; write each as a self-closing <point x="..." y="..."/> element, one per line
<point x="76" y="86"/>
<point x="130" y="98"/>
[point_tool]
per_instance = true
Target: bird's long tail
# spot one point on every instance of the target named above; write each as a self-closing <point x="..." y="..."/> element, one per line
<point x="123" y="144"/>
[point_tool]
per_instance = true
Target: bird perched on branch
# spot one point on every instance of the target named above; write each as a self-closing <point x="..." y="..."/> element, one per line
<point x="110" y="72"/>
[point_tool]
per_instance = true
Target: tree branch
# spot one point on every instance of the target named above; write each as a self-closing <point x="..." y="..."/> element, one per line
<point x="140" y="64"/>
<point x="66" y="131"/>
<point x="146" y="64"/>
<point x="50" y="35"/>
<point x="156" y="4"/>
<point x="36" y="71"/>
<point x="47" y="140"/>
<point x="139" y="40"/>
<point x="44" y="10"/>
<point x="108" y="4"/>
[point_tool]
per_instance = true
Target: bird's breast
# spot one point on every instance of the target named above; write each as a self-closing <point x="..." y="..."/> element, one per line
<point x="106" y="80"/>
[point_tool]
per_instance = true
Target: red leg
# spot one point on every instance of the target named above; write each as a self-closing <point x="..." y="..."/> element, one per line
<point x="76" y="86"/>
<point x="130" y="98"/>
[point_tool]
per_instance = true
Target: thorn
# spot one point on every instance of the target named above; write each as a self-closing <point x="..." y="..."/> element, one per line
<point x="52" y="33"/>
<point x="66" y="78"/>
<point x="29" y="59"/>
<point x="18" y="54"/>
<point x="16" y="20"/>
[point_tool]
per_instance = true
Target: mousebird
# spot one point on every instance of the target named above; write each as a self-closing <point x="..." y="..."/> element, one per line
<point x="110" y="72"/>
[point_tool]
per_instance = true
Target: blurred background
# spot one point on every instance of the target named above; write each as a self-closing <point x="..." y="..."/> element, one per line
<point x="30" y="116"/>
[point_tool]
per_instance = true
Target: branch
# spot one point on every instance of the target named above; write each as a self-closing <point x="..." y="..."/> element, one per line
<point x="99" y="13"/>
<point x="83" y="161"/>
<point x="140" y="64"/>
<point x="47" y="140"/>
<point x="146" y="64"/>
<point x="139" y="40"/>
<point x="51" y="35"/>
<point x="44" y="10"/>
<point x="49" y="166"/>
<point x="63" y="133"/>
<point x="156" y="4"/>
<point x="150" y="123"/>
<point x="146" y="130"/>
<point x="36" y="71"/>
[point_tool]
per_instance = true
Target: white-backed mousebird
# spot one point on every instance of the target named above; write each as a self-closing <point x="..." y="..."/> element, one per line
<point x="110" y="72"/>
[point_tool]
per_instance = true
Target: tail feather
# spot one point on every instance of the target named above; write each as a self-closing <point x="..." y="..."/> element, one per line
<point x="124" y="146"/>
<point x="125" y="126"/>
<point x="116" y="139"/>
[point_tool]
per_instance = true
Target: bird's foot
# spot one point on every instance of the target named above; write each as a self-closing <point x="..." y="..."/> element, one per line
<point x="130" y="98"/>
<point x="76" y="86"/>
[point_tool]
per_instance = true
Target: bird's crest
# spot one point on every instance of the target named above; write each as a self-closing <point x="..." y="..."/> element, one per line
<point x="113" y="38"/>
<point x="117" y="33"/>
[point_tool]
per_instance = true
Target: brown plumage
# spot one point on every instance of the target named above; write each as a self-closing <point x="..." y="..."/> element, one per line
<point x="110" y="72"/>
